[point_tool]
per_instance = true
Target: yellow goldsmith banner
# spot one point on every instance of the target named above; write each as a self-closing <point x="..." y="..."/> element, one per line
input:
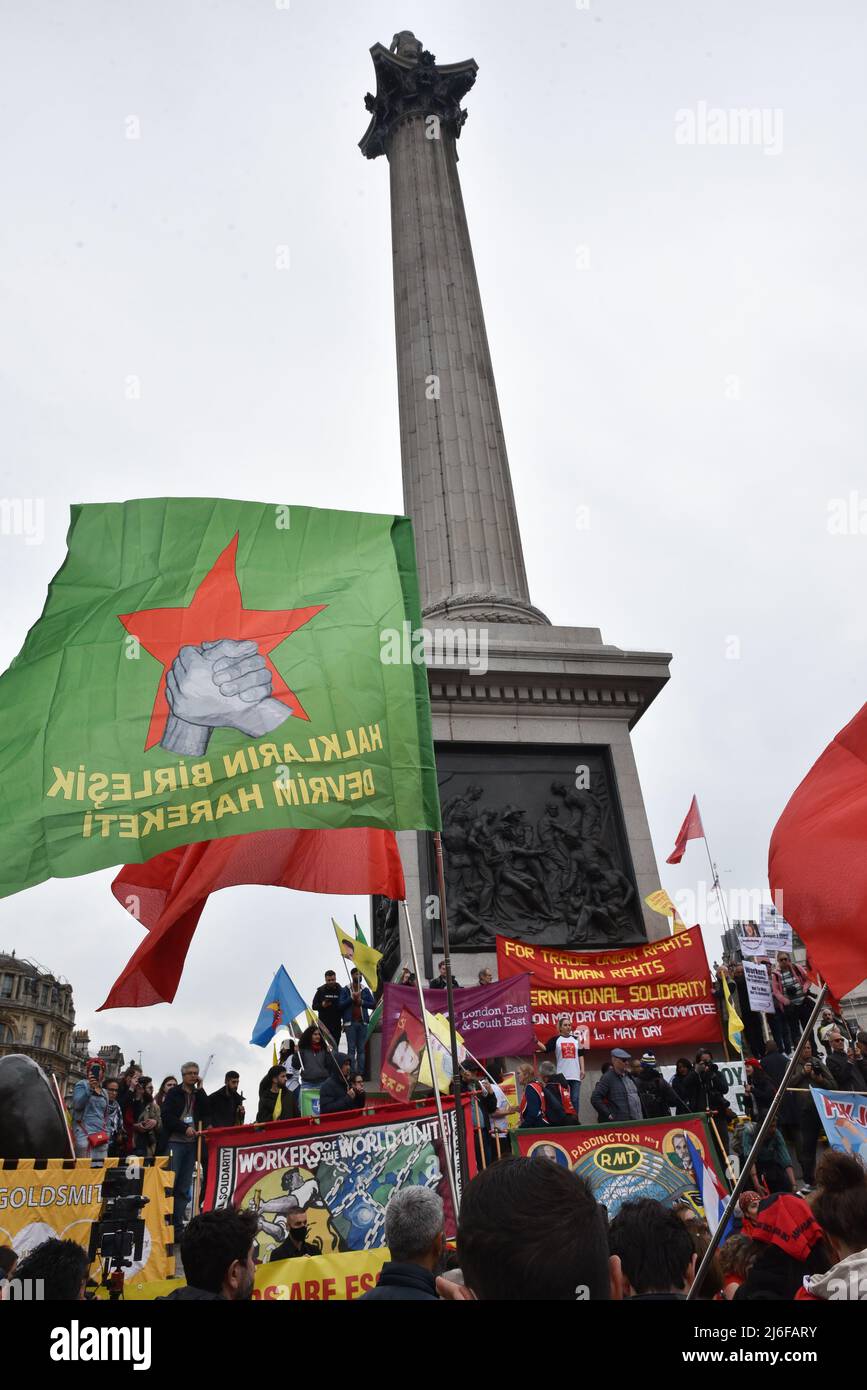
<point x="60" y="1198"/>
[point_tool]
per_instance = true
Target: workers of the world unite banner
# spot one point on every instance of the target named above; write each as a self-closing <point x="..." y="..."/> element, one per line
<point x="658" y="993"/>
<point x="206" y="668"/>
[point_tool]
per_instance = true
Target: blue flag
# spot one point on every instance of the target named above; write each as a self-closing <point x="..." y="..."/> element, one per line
<point x="282" y="1004"/>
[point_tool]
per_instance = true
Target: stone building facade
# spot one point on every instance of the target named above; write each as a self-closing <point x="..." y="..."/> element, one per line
<point x="37" y="1018"/>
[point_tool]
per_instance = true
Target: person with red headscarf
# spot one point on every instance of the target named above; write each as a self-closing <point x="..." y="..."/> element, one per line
<point x="789" y="1243"/>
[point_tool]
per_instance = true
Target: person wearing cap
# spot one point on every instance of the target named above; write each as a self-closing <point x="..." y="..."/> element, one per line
<point x="657" y="1096"/>
<point x="615" y="1095"/>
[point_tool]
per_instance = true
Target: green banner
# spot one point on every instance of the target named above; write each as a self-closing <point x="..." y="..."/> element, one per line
<point x="208" y="668"/>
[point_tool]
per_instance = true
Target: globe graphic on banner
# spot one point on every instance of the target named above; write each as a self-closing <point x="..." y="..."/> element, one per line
<point x="650" y="1175"/>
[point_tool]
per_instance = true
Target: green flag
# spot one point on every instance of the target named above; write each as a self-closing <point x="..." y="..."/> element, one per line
<point x="209" y="668"/>
<point x="359" y="934"/>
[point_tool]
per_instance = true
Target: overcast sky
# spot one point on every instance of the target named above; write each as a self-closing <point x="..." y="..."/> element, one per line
<point x="677" y="330"/>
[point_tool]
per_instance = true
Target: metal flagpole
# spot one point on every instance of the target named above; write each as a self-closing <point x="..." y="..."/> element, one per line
<point x="444" y="928"/>
<point x="715" y="880"/>
<point x="459" y="1115"/>
<point x="759" y="1139"/>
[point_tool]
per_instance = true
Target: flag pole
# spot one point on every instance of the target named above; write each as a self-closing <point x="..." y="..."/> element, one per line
<point x="715" y="881"/>
<point x="459" y="1114"/>
<point x="444" y="928"/>
<point x="740" y="1185"/>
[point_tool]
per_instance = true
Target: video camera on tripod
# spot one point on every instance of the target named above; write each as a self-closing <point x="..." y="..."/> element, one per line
<point x="117" y="1235"/>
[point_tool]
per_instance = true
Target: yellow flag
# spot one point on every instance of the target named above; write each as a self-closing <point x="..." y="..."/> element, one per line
<point x="311" y="1018"/>
<point x="358" y="954"/>
<point x="660" y="902"/>
<point x="278" y="1106"/>
<point x="441" y="1048"/>
<point x="736" y="1026"/>
<point x="274" y="1058"/>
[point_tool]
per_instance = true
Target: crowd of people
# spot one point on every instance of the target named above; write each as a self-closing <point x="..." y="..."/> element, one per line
<point x="648" y="1251"/>
<point x="529" y="1229"/>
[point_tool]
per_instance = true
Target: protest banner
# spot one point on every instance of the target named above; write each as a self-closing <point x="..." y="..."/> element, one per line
<point x="60" y="1198"/>
<point x="734" y="1075"/>
<point x="493" y="1020"/>
<point x="320" y="1278"/>
<point x="340" y="1169"/>
<point x="658" y="993"/>
<point x="770" y="935"/>
<point x="776" y="931"/>
<point x="758" y="987"/>
<point x="401" y="1058"/>
<point x="844" y="1119"/>
<point x="623" y="1162"/>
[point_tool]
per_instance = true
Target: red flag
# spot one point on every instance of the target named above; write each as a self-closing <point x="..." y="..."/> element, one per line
<point x="170" y="891"/>
<point x="691" y="829"/>
<point x="818" y="859"/>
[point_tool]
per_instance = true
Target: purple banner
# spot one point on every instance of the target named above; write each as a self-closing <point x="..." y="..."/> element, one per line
<point x="494" y="1020"/>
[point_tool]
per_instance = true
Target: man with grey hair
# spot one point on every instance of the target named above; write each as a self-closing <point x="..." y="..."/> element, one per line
<point x="184" y="1112"/>
<point x="415" y="1238"/>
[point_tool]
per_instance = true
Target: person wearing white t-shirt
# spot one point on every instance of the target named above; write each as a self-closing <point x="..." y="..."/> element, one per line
<point x="569" y="1057"/>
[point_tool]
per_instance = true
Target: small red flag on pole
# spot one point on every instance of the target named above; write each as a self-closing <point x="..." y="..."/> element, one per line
<point x="692" y="829"/>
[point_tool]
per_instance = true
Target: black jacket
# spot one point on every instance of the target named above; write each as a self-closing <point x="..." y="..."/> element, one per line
<point x="714" y="1089"/>
<point x="846" y="1078"/>
<point x="267" y="1102"/>
<point x="774" y="1064"/>
<point x="762" y="1092"/>
<point x="178" y="1103"/>
<point x="402" y="1281"/>
<point x="657" y="1096"/>
<point x="334" y="1096"/>
<point x="690" y="1091"/>
<point x="223" y="1107"/>
<point x="326" y="1004"/>
<point x="289" y="1249"/>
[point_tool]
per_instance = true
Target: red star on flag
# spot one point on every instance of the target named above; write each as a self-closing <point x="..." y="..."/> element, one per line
<point x="216" y="611"/>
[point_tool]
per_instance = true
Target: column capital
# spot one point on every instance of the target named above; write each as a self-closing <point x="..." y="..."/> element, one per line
<point x="410" y="82"/>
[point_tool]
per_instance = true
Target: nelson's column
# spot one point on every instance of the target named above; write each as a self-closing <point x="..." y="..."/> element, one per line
<point x="544" y="828"/>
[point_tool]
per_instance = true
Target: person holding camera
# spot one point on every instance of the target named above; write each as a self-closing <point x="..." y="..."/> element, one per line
<point x="90" y="1113"/>
<point x="714" y="1090"/>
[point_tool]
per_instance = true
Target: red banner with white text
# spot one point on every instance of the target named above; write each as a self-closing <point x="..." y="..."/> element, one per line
<point x="640" y="995"/>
